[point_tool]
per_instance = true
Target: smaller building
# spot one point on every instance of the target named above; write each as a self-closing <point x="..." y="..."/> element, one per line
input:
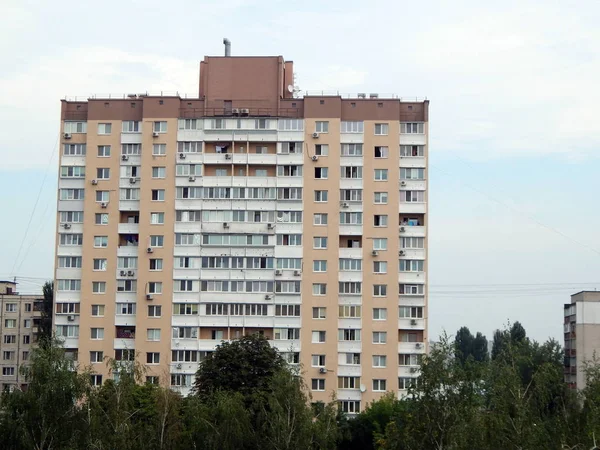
<point x="20" y="317"/>
<point x="582" y="335"/>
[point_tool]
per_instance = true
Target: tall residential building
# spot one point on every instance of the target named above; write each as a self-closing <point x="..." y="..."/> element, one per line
<point x="20" y="319"/>
<point x="582" y="335"/>
<point x="183" y="222"/>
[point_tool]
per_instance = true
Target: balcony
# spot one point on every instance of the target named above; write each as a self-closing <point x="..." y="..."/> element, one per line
<point x="355" y="253"/>
<point x="412" y="277"/>
<point x="411" y="324"/>
<point x="411" y="347"/>
<point x="129" y="205"/>
<point x="129" y="228"/>
<point x="413" y="207"/>
<point x="411" y="231"/>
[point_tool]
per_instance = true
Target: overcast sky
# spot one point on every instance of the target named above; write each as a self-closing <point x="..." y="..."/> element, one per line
<point x="515" y="136"/>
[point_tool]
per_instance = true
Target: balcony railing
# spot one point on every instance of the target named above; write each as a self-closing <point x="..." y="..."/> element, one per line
<point x="196" y="113"/>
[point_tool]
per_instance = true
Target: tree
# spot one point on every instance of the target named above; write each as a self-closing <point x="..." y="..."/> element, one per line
<point x="464" y="344"/>
<point x="246" y="365"/>
<point x="45" y="333"/>
<point x="479" y="349"/>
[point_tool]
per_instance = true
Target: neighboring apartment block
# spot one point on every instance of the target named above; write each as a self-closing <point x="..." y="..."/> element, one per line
<point x="183" y="222"/>
<point x="20" y="318"/>
<point x="582" y="335"/>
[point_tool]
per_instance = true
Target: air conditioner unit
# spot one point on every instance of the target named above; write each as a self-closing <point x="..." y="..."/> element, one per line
<point x="402" y="229"/>
<point x="148" y="296"/>
<point x="179" y="366"/>
<point x="192" y="179"/>
<point x="270" y="226"/>
<point x="94" y="182"/>
<point x="373" y="95"/>
<point x="314" y="157"/>
<point x="130" y="273"/>
<point x="67" y="135"/>
<point x="401" y="253"/>
<point x="123" y="273"/>
<point x="225" y="224"/>
<point x="227" y="156"/>
<point x="103" y="205"/>
<point x="124" y="157"/>
<point x="155" y="134"/>
<point x="278" y="272"/>
<point x="268" y="297"/>
<point x="374" y="253"/>
<point x="403" y="183"/>
<point x="413" y="370"/>
<point x="66" y="226"/>
<point x="419" y="345"/>
<point x="345" y="205"/>
<point x="315" y="135"/>
<point x="413" y="321"/>
<point x="132" y="180"/>
<point x="149" y="250"/>
<point x="297" y="273"/>
<point x="182" y="156"/>
<point x="361" y="95"/>
<point x="235" y="111"/>
<point x="322" y="370"/>
<point x="71" y="318"/>
<point x="244" y="111"/>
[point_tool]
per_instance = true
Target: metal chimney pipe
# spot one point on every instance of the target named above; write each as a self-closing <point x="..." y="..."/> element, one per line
<point x="227" y="46"/>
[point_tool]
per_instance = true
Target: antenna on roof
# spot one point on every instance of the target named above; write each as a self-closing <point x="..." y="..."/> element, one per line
<point x="227" y="43"/>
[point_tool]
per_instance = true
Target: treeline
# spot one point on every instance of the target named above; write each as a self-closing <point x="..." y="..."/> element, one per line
<point x="245" y="398"/>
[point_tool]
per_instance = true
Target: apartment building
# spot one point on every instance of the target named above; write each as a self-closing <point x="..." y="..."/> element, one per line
<point x="582" y="335"/>
<point x="19" y="318"/>
<point x="183" y="222"/>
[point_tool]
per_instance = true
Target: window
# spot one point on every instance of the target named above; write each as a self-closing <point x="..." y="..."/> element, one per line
<point x="100" y="241"/>
<point x="131" y="149"/>
<point x="379" y="361"/>
<point x="159" y="149"/>
<point x="348" y="334"/>
<point x="96" y="357"/>
<point x="318" y="360"/>
<point x="322" y="127"/>
<point x="98" y="287"/>
<point x="349" y="311"/>
<point x="74" y="150"/>
<point x="347" y="265"/>
<point x="8" y="371"/>
<point x="318" y="384"/>
<point x="320" y="242"/>
<point x="411" y="265"/>
<point x="353" y="358"/>
<point x="153" y="334"/>
<point x="381" y="174"/>
<point x="379" y="313"/>
<point x="159" y="172"/>
<point x="382" y="152"/>
<point x="321" y="149"/>
<point x="412" y="242"/>
<point x="379" y="290"/>
<point x="102" y="196"/>
<point x="25" y="355"/>
<point x="158" y="195"/>
<point x="321" y="172"/>
<point x="156" y="241"/>
<point x="351" y="218"/>
<point x="411" y="289"/>
<point x="348" y="382"/>
<point x="157" y="218"/>
<point x="261" y="173"/>
<point x="351" y="195"/>
<point x="380" y="244"/>
<point x="292" y="240"/>
<point x="350" y="406"/>
<point x="319" y="266"/>
<point x="318" y="337"/>
<point x="381" y="198"/>
<point x="319" y="313"/>
<point x="261" y="124"/>
<point x="160" y="127"/>
<point x="352" y="149"/>
<point x="100" y="264"/>
<point x="103" y="173"/>
<point x="75" y="127"/>
<point x="104" y="128"/>
<point x="291" y="125"/>
<point x="352" y="127"/>
<point x="126" y="286"/>
<point x="412" y="173"/>
<point x="321" y="196"/>
<point x="350" y="287"/>
<point x="132" y="126"/>
<point x="101" y="219"/>
<point x="354" y="172"/>
<point x="379" y="267"/>
<point x="72" y="171"/>
<point x="221" y="172"/>
<point x="289" y="171"/>
<point x="98" y="310"/>
<point x="379" y="337"/>
<point x="287" y="310"/>
<point x="97" y="333"/>
<point x="190" y="124"/>
<point x="104" y="151"/>
<point x="319" y="289"/>
<point x="412" y="128"/>
<point x="155" y="287"/>
<point x="410" y="312"/>
<point x="289" y="263"/>
<point x="156" y="264"/>
<point x="380" y="220"/>
<point x="152" y="358"/>
<point x="320" y="219"/>
<point x="412" y="151"/>
<point x="154" y="311"/>
<point x="69" y="262"/>
<point x="381" y="129"/>
<point x="68" y="285"/>
<point x="28" y="307"/>
<point x="72" y="194"/>
<point x="408" y="359"/>
<point x="71" y="217"/>
<point x="412" y="196"/>
<point x="73" y="328"/>
<point x="379" y="385"/>
<point x="406" y="383"/>
<point x="11" y="338"/>
<point x="10" y="323"/>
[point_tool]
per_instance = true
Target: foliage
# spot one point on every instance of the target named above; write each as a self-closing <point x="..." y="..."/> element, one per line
<point x="45" y="333"/>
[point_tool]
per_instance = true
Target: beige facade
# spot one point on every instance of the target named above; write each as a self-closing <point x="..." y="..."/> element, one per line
<point x="582" y="336"/>
<point x="20" y="318"/>
<point x="184" y="222"/>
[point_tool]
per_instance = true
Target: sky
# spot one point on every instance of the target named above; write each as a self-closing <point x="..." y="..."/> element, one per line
<point x="514" y="142"/>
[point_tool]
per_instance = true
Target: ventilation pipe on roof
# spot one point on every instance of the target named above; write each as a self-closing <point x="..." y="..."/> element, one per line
<point x="227" y="46"/>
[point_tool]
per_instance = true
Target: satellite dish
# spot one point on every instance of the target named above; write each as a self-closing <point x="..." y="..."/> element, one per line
<point x="290" y="88"/>
<point x="363" y="388"/>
